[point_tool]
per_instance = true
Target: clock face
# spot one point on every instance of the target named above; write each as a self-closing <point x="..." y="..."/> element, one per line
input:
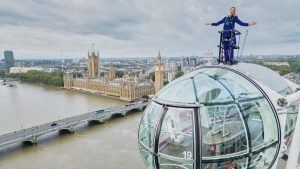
<point x="157" y="68"/>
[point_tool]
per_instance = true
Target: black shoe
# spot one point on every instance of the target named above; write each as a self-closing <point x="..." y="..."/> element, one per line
<point x="235" y="47"/>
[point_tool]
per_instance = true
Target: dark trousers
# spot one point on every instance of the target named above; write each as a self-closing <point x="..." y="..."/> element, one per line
<point x="228" y="52"/>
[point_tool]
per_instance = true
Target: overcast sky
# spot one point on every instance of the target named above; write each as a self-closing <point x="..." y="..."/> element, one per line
<point x="52" y="28"/>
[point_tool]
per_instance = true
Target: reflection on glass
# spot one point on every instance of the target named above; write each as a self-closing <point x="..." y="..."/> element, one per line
<point x="286" y="91"/>
<point x="169" y="164"/>
<point x="223" y="132"/>
<point x="210" y="90"/>
<point x="182" y="91"/>
<point x="148" y="158"/>
<point x="240" y="89"/>
<point x="237" y="85"/>
<point x="252" y="114"/>
<point x="291" y="118"/>
<point x="263" y="159"/>
<point x="266" y="76"/>
<point x="176" y="136"/>
<point x="148" y="125"/>
<point x="230" y="164"/>
<point x="259" y="123"/>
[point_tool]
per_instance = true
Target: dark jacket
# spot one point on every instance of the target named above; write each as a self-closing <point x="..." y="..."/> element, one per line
<point x="229" y="24"/>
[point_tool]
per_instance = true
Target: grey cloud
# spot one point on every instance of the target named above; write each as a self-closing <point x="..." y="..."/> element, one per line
<point x="140" y="27"/>
<point x="115" y="20"/>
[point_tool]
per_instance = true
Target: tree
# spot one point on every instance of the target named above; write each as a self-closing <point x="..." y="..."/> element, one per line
<point x="166" y="82"/>
<point x="145" y="97"/>
<point x="33" y="76"/>
<point x="179" y="74"/>
<point x="120" y="74"/>
<point x="295" y="66"/>
<point x="282" y="70"/>
<point x="132" y="74"/>
<point x="152" y="76"/>
<point x="2" y="73"/>
<point x="77" y="74"/>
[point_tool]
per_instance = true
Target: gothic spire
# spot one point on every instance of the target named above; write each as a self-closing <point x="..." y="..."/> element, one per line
<point x="159" y="56"/>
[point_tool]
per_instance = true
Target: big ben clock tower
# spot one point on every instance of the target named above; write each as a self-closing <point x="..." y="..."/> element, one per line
<point x="159" y="74"/>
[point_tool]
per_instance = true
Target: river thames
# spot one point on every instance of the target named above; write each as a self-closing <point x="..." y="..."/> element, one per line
<point x="112" y="145"/>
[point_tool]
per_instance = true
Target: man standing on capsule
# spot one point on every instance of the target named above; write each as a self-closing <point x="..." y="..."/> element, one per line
<point x="229" y="40"/>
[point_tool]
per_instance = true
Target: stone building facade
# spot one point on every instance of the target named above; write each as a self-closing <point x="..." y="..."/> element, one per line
<point x="93" y="64"/>
<point x="159" y="73"/>
<point x="126" y="88"/>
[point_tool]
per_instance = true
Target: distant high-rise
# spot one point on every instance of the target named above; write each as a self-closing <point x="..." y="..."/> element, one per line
<point x="9" y="59"/>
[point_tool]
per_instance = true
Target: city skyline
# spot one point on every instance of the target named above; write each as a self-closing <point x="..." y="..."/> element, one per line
<point x="58" y="29"/>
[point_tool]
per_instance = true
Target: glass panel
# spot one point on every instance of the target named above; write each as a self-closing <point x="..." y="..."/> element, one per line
<point x="263" y="159"/>
<point x="254" y="121"/>
<point x="230" y="164"/>
<point x="169" y="164"/>
<point x="182" y="91"/>
<point x="148" y="125"/>
<point x="261" y="122"/>
<point x="147" y="158"/>
<point x="176" y="137"/>
<point x="291" y="119"/>
<point x="258" y="72"/>
<point x="238" y="86"/>
<point x="223" y="131"/>
<point x="210" y="90"/>
<point x="284" y="92"/>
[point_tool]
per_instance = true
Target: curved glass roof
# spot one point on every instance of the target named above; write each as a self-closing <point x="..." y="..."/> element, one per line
<point x="208" y="85"/>
<point x="262" y="74"/>
<point x="214" y="117"/>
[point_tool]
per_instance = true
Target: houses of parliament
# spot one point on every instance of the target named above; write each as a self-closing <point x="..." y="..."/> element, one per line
<point x="125" y="88"/>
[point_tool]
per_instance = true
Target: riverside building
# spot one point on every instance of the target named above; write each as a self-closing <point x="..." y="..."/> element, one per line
<point x="125" y="88"/>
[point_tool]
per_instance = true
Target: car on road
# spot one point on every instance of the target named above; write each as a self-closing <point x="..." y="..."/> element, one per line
<point x="53" y="124"/>
<point x="101" y="111"/>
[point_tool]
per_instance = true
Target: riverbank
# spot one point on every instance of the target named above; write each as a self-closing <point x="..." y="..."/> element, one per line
<point x="34" y="76"/>
<point x="93" y="92"/>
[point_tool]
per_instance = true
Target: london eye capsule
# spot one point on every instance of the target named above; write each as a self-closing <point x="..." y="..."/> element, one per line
<point x="212" y="118"/>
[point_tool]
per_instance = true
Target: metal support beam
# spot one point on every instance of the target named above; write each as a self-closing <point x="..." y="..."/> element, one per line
<point x="292" y="162"/>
